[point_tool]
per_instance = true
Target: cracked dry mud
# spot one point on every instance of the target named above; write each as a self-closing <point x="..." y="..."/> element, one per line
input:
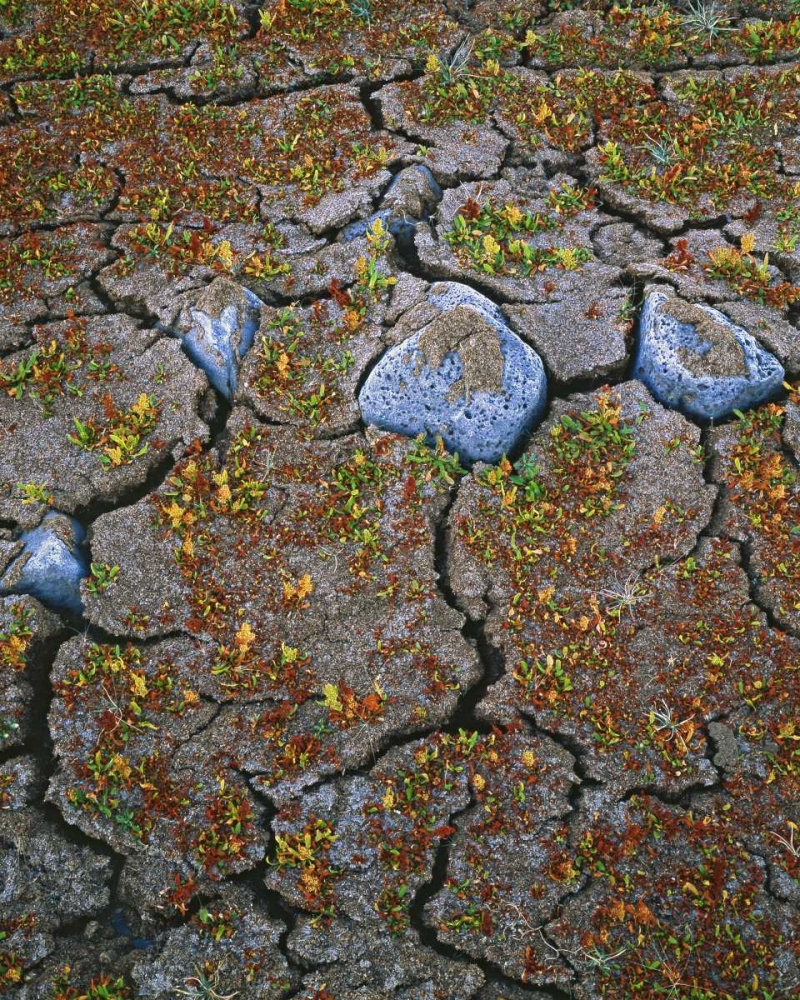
<point x="342" y="720"/>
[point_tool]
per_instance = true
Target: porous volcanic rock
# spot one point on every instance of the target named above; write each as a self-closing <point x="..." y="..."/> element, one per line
<point x="412" y="195"/>
<point x="776" y="333"/>
<point x="694" y="359"/>
<point x="464" y="376"/>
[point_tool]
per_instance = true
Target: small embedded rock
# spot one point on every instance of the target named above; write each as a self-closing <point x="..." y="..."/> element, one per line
<point x="694" y="359"/>
<point x="217" y="330"/>
<point x="464" y="375"/>
<point x="412" y="195"/>
<point x="51" y="564"/>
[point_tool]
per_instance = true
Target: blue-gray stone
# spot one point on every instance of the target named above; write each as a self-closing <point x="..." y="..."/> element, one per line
<point x="218" y="329"/>
<point x="412" y="195"/>
<point x="51" y="565"/>
<point x="464" y="375"/>
<point x="358" y="229"/>
<point x="694" y="359"/>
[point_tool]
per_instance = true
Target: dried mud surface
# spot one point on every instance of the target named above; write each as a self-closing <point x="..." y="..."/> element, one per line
<point x="342" y="719"/>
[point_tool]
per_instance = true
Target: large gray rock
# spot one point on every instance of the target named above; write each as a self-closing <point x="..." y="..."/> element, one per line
<point x="464" y="375"/>
<point x="694" y="359"/>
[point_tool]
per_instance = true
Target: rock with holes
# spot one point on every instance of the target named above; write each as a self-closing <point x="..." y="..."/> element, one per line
<point x="462" y="374"/>
<point x="50" y="564"/>
<point x="694" y="359"/>
<point x="217" y="330"/>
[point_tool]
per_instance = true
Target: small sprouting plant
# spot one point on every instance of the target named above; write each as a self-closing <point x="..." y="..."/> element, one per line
<point x="435" y="462"/>
<point x="571" y="199"/>
<point x="229" y="828"/>
<point x="102" y="988"/>
<point x="370" y="277"/>
<point x="627" y="312"/>
<point x="121" y="440"/>
<point x="204" y="986"/>
<point x="35" y="493"/>
<point x="307" y="851"/>
<point x="662" y="720"/>
<point x="84" y="434"/>
<point x="788" y="842"/>
<point x="681" y="258"/>
<point x="749" y="276"/>
<point x="626" y="595"/>
<point x="493" y="238"/>
<point x="785" y="241"/>
<point x="15" y="638"/>
<point x="526" y="476"/>
<point x="598" y="959"/>
<point x="361" y="9"/>
<point x="454" y="67"/>
<point x="706" y="17"/>
<point x="265" y="267"/>
<point x="102" y="575"/>
<point x="378" y="237"/>
<point x="663" y="151"/>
